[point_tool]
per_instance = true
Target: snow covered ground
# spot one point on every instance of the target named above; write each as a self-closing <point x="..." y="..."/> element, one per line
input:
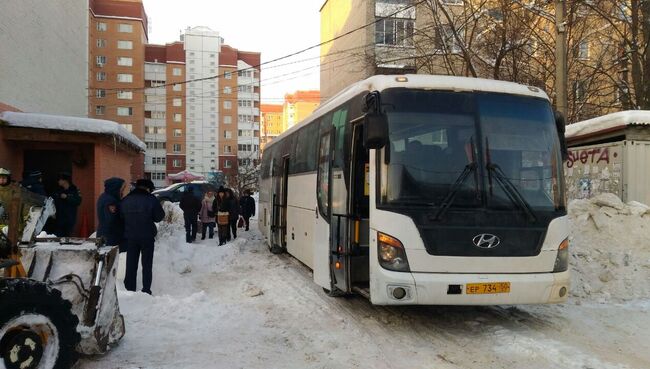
<point x="238" y="306"/>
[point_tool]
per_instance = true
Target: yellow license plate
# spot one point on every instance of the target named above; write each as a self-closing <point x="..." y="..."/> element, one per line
<point x="485" y="288"/>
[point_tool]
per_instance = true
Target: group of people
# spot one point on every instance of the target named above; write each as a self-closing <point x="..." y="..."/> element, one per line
<point x="67" y="198"/>
<point x="222" y="210"/>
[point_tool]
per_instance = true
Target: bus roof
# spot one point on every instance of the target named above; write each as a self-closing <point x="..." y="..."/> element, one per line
<point x="607" y="123"/>
<point x="416" y="81"/>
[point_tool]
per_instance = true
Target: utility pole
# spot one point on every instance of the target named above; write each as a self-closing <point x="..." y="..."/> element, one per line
<point x="561" y="84"/>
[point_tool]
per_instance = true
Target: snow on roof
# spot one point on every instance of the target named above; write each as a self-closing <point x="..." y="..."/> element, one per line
<point x="73" y="124"/>
<point x="608" y="123"/>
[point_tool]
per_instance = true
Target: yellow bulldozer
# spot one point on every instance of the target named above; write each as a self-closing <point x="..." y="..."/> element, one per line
<point x="58" y="297"/>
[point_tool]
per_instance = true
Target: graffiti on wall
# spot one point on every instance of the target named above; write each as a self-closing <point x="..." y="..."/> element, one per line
<point x="592" y="170"/>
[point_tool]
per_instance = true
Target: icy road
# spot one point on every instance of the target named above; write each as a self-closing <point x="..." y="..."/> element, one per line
<point x="238" y="306"/>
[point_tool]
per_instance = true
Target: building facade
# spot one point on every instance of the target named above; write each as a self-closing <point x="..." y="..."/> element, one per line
<point x="44" y="58"/>
<point x="116" y="42"/>
<point x="298" y="106"/>
<point x="271" y="123"/>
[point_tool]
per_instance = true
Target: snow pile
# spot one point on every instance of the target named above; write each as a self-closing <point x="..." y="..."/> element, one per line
<point x="173" y="222"/>
<point x="610" y="246"/>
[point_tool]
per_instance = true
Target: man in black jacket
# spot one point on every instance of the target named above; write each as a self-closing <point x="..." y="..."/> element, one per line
<point x="191" y="206"/>
<point x="66" y="200"/>
<point x="111" y="225"/>
<point x="247" y="206"/>
<point x="141" y="211"/>
<point x="34" y="182"/>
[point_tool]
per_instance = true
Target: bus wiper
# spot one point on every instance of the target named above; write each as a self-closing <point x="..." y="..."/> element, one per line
<point x="510" y="189"/>
<point x="451" y="195"/>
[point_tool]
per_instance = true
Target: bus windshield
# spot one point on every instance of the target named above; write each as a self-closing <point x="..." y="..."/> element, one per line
<point x="469" y="150"/>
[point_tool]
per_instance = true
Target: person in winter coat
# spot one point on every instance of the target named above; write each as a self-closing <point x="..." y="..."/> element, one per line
<point x="234" y="213"/>
<point x="191" y="206"/>
<point x="34" y="182"/>
<point x="207" y="215"/>
<point x="111" y="225"/>
<point x="221" y="208"/>
<point x="140" y="211"/>
<point x="247" y="207"/>
<point x="66" y="200"/>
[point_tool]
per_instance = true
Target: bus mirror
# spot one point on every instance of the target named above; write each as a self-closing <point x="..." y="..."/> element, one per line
<point x="375" y="130"/>
<point x="560" y="124"/>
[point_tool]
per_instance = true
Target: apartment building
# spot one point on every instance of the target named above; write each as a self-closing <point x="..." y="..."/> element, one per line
<point x="117" y="38"/>
<point x="248" y="108"/>
<point x="271" y="123"/>
<point x="164" y="120"/>
<point x="298" y="106"/>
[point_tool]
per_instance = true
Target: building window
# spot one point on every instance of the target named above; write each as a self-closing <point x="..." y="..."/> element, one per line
<point x="227" y="104"/>
<point x="125" y="77"/>
<point x="227" y="119"/>
<point x="227" y="90"/>
<point x="178" y="117"/>
<point x="125" y="28"/>
<point x="177" y="102"/>
<point x="176" y="148"/>
<point x="178" y="132"/>
<point x="129" y="127"/>
<point x="101" y="26"/>
<point x="227" y="134"/>
<point x="158" y="115"/>
<point x="394" y="31"/>
<point x="100" y="60"/>
<point x="227" y="164"/>
<point x="227" y="75"/>
<point x="177" y="87"/>
<point x="101" y="42"/>
<point x="125" y="95"/>
<point x="582" y="52"/>
<point x="100" y="110"/>
<point x="177" y="163"/>
<point x="445" y="40"/>
<point x="227" y="149"/>
<point x="177" y="71"/>
<point x="159" y="161"/>
<point x="125" y="45"/>
<point x="124" y="61"/>
<point x="100" y="94"/>
<point x="452" y="2"/>
<point x="124" y="112"/>
<point x="101" y="76"/>
<point x="245" y="103"/>
<point x="580" y="91"/>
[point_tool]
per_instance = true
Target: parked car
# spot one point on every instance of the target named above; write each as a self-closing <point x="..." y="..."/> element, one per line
<point x="174" y="192"/>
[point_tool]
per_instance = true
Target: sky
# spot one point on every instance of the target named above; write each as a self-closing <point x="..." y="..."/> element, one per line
<point x="274" y="28"/>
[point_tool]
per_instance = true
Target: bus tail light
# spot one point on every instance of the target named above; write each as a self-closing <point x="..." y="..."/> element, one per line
<point x="392" y="255"/>
<point x="562" y="259"/>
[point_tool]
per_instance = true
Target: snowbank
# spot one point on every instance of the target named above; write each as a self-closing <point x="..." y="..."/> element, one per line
<point x="610" y="244"/>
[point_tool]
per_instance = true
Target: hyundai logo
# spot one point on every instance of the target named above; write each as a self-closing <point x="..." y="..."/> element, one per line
<point x="486" y="241"/>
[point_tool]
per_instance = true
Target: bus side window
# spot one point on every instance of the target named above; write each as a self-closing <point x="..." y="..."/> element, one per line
<point x="322" y="190"/>
<point x="339" y="121"/>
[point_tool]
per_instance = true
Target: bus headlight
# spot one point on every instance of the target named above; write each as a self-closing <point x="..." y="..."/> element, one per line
<point x="562" y="259"/>
<point x="392" y="255"/>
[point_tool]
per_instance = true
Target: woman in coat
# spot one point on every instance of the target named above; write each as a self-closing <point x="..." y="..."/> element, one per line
<point x="207" y="215"/>
<point x="234" y="212"/>
<point x="221" y="208"/>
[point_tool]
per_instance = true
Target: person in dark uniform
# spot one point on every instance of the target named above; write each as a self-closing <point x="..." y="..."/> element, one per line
<point x="140" y="211"/>
<point x="247" y="207"/>
<point x="191" y="206"/>
<point x="66" y="200"/>
<point x="234" y="213"/>
<point x="34" y="182"/>
<point x="110" y="224"/>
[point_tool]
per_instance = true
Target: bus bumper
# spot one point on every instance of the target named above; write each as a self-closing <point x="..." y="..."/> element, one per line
<point x="451" y="289"/>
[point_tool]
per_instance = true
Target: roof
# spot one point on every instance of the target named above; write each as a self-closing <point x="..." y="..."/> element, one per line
<point x="133" y="10"/>
<point x="607" y="123"/>
<point x="6" y="107"/>
<point x="417" y="81"/>
<point x="172" y="52"/>
<point x="271" y="108"/>
<point x="303" y="96"/>
<point x="71" y="124"/>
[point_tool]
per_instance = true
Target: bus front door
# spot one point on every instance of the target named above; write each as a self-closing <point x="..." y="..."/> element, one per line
<point x="279" y="205"/>
<point x="339" y="221"/>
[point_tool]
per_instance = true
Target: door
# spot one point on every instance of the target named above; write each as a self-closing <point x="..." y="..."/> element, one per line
<point x="280" y="177"/>
<point x="50" y="163"/>
<point x="339" y="215"/>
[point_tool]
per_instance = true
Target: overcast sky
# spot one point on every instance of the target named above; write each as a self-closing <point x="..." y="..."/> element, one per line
<point x="274" y="28"/>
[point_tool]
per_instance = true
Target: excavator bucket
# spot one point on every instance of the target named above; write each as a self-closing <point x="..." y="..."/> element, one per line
<point x="83" y="270"/>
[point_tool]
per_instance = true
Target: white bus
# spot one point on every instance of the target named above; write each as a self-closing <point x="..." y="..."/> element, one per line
<point x="426" y="190"/>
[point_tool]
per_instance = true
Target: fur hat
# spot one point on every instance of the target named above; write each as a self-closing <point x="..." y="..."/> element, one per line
<point x="145" y="183"/>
